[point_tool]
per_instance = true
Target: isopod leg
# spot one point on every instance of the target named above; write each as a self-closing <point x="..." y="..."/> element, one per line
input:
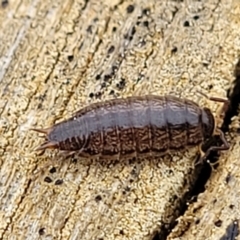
<point x="43" y="168"/>
<point x="52" y="162"/>
<point x="201" y="157"/>
<point x="67" y="153"/>
<point x="224" y="147"/>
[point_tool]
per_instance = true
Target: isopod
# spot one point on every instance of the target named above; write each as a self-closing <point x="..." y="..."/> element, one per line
<point x="135" y="126"/>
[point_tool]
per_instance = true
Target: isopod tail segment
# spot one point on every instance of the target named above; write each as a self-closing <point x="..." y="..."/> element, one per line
<point x="42" y="130"/>
<point x="46" y="144"/>
<point x="50" y="144"/>
<point x="225" y="145"/>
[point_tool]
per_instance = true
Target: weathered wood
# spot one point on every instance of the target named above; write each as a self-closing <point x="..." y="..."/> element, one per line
<point x="218" y="207"/>
<point x="216" y="213"/>
<point x="57" y="56"/>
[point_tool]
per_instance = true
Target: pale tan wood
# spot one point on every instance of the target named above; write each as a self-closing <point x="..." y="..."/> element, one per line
<point x="218" y="207"/>
<point x="216" y="213"/>
<point x="54" y="54"/>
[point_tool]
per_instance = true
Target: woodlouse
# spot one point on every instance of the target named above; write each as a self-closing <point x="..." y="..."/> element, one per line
<point x="134" y="126"/>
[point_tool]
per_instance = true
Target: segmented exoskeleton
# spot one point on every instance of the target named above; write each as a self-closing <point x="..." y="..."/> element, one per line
<point x="134" y="126"/>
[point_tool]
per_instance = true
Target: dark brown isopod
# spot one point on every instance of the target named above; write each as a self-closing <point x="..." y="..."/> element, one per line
<point x="135" y="126"/>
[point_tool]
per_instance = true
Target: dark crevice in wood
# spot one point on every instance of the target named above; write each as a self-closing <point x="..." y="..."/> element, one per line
<point x="204" y="172"/>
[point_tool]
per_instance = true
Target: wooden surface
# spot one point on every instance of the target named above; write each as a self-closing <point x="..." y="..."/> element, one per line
<point x="58" y="56"/>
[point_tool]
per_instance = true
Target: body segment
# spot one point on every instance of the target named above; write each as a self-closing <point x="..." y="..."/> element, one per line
<point x="133" y="126"/>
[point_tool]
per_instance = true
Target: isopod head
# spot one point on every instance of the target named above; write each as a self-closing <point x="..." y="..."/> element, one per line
<point x="208" y="123"/>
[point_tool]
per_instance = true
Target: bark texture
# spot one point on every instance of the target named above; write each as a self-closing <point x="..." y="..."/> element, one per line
<point x="58" y="56"/>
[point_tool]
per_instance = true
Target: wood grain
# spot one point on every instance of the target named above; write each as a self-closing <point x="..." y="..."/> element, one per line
<point x="57" y="56"/>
